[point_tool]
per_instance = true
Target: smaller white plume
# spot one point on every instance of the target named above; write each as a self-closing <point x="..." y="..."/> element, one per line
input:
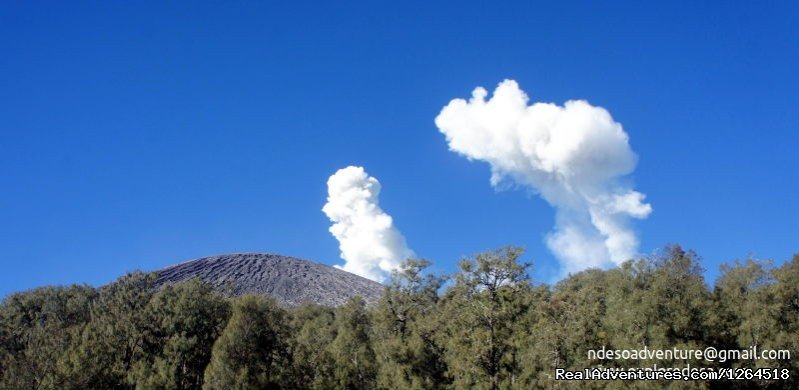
<point x="370" y="244"/>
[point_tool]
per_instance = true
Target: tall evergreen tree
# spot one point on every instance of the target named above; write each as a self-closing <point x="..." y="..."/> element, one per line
<point x="406" y="340"/>
<point x="354" y="357"/>
<point x="481" y="309"/>
<point x="187" y="318"/>
<point x="569" y="324"/>
<point x="313" y="330"/>
<point x="36" y="327"/>
<point x="786" y="294"/>
<point x="114" y="340"/>
<point x="251" y="352"/>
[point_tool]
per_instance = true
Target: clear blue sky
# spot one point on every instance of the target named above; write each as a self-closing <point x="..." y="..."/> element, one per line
<point x="139" y="135"/>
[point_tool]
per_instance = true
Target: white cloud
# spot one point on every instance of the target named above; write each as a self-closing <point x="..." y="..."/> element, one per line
<point x="370" y="244"/>
<point x="574" y="156"/>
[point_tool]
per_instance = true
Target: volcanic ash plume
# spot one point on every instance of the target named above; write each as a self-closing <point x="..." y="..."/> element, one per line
<point x="370" y="244"/>
<point x="574" y="156"/>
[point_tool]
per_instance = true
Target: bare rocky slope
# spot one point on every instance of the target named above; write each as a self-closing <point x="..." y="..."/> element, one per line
<point x="289" y="280"/>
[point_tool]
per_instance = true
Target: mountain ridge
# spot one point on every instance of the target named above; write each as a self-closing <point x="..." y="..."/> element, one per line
<point x="291" y="281"/>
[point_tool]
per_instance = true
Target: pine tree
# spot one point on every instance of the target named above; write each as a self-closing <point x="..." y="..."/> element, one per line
<point x="786" y="294"/>
<point x="409" y="353"/>
<point x="313" y="331"/>
<point x="480" y="311"/>
<point x="114" y="340"/>
<point x="352" y="352"/>
<point x="36" y="327"/>
<point x="252" y="351"/>
<point x="188" y="318"/>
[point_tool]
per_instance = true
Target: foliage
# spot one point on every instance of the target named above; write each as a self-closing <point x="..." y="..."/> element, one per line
<point x="186" y="321"/>
<point x="251" y="353"/>
<point x="353" y="355"/>
<point x="487" y="326"/>
<point x="407" y="330"/>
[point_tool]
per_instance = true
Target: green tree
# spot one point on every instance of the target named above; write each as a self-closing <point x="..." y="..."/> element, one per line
<point x="187" y="318"/>
<point x="661" y="302"/>
<point x="786" y="294"/>
<point x="35" y="328"/>
<point x="569" y="324"/>
<point x="252" y="351"/>
<point x="114" y="340"/>
<point x="313" y="331"/>
<point x="481" y="311"/>
<point x="352" y="352"/>
<point x="745" y="313"/>
<point x="406" y="341"/>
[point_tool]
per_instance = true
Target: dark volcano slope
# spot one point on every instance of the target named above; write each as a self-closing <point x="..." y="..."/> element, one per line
<point x="289" y="280"/>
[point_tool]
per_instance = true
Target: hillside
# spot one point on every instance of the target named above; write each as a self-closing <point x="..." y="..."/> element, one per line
<point x="289" y="280"/>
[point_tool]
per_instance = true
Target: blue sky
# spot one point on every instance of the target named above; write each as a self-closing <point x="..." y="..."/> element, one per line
<point x="135" y="136"/>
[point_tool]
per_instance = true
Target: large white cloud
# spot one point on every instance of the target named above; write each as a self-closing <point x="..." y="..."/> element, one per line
<point x="370" y="244"/>
<point x="575" y="156"/>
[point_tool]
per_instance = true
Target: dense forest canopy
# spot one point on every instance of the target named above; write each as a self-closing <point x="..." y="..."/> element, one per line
<point x="488" y="326"/>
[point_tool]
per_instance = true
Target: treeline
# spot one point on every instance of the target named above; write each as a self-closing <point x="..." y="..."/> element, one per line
<point x="485" y="327"/>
